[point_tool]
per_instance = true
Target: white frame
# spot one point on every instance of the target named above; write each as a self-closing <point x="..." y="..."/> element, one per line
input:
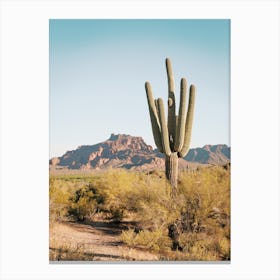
<point x="254" y="138"/>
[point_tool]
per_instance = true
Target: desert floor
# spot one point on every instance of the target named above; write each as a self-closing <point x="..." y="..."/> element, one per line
<point x="94" y="241"/>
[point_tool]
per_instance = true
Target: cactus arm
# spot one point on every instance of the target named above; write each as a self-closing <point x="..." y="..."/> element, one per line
<point x="154" y="117"/>
<point x="180" y="131"/>
<point x="164" y="129"/>
<point x="170" y="76"/>
<point x="156" y="104"/>
<point x="189" y="121"/>
<point x="172" y="136"/>
<point x="171" y="122"/>
<point x="177" y="121"/>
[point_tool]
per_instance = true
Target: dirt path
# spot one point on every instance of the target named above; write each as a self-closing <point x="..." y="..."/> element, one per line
<point x="97" y="241"/>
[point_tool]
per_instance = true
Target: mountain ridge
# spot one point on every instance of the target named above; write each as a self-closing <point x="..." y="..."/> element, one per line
<point x="131" y="152"/>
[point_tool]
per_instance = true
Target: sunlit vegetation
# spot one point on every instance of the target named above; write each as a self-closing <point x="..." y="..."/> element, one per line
<point x="191" y="224"/>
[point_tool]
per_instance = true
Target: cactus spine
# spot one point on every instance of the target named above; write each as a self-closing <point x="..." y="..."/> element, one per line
<point x="172" y="137"/>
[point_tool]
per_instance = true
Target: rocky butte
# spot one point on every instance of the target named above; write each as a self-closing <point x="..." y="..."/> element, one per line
<point x="125" y="151"/>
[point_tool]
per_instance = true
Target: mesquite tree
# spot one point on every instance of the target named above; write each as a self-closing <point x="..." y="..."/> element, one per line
<point x="172" y="137"/>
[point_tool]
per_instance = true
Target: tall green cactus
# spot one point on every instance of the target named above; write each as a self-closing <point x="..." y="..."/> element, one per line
<point x="172" y="137"/>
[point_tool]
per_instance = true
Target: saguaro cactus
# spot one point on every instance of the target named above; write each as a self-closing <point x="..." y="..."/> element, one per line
<point x="172" y="137"/>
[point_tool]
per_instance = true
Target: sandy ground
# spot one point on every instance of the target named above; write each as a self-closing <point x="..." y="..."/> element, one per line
<point x="96" y="241"/>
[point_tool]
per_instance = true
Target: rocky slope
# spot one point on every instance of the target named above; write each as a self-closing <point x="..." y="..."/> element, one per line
<point x="210" y="154"/>
<point x="133" y="153"/>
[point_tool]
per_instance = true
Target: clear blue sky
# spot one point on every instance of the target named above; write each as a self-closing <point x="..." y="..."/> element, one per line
<point x="98" y="69"/>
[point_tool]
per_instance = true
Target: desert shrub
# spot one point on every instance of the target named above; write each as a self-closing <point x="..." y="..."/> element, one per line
<point x="124" y="193"/>
<point x="58" y="200"/>
<point x="84" y="203"/>
<point x="194" y="222"/>
<point x="69" y="253"/>
<point x="156" y="241"/>
<point x="202" y="247"/>
<point x="115" y="188"/>
<point x="203" y="229"/>
<point x="68" y="198"/>
<point x="153" y="206"/>
<point x="207" y="198"/>
<point x="197" y="218"/>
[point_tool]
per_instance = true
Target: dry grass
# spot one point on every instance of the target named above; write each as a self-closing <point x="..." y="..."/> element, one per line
<point x="193" y="224"/>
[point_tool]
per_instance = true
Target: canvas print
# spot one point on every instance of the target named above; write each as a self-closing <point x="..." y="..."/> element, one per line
<point x="139" y="167"/>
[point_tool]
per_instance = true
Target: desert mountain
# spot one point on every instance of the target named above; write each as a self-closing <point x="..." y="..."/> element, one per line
<point x="133" y="153"/>
<point x="209" y="154"/>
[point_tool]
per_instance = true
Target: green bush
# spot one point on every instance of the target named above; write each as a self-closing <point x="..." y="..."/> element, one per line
<point x="84" y="203"/>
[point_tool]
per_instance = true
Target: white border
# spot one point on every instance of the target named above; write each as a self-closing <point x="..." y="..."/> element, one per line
<point x="254" y="137"/>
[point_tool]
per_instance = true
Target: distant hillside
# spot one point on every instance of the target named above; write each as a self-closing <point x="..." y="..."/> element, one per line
<point x="133" y="153"/>
<point x="210" y="154"/>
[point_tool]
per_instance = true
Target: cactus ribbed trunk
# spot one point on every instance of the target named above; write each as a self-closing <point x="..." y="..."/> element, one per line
<point x="172" y="137"/>
<point x="171" y="169"/>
